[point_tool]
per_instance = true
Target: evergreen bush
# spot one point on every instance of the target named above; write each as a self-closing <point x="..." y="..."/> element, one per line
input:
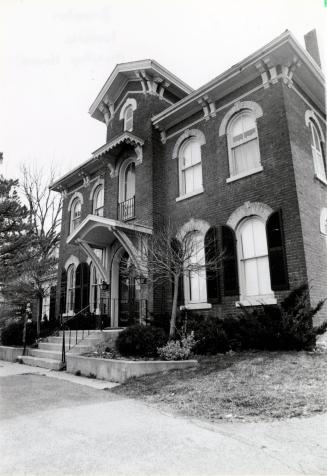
<point x="140" y="341"/>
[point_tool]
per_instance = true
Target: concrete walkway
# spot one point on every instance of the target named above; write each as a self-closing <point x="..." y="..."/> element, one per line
<point x="57" y="426"/>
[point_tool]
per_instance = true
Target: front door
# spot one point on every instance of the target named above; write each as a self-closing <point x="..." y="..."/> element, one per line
<point x="129" y="293"/>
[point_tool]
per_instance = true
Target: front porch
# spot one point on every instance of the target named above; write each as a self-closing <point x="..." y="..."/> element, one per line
<point x="109" y="289"/>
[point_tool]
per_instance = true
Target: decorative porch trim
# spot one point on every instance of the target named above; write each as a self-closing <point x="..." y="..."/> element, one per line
<point x="126" y="137"/>
<point x="95" y="260"/>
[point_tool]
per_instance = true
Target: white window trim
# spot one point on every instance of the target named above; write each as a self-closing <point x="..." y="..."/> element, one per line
<point x="254" y="300"/>
<point x="122" y="172"/>
<point x="231" y="148"/>
<point x="245" y="211"/>
<point x="130" y="102"/>
<point x="96" y="192"/>
<point x="201" y="227"/>
<point x="72" y="219"/>
<point x="189" y="134"/>
<point x="70" y="312"/>
<point x="196" y="306"/>
<point x="191" y="194"/>
<point x="244" y="174"/>
<point x="310" y="121"/>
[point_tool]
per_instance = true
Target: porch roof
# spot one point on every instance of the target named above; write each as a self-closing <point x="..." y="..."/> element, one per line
<point x="91" y="222"/>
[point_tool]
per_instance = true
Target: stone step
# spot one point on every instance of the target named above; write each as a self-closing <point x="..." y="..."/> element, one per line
<point x="44" y="354"/>
<point x="75" y="349"/>
<point x="50" y="346"/>
<point x="41" y="362"/>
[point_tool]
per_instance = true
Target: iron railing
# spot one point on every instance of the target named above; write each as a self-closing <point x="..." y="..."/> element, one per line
<point x="126" y="210"/>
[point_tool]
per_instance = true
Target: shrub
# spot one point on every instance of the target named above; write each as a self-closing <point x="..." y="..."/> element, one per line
<point x="288" y="326"/>
<point x="140" y="341"/>
<point x="12" y="333"/>
<point x="177" y="349"/>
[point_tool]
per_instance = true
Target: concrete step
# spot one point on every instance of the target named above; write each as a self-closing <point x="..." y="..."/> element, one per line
<point x="44" y="354"/>
<point x="50" y="346"/>
<point x="80" y="349"/>
<point x="80" y="333"/>
<point x="75" y="349"/>
<point x="41" y="362"/>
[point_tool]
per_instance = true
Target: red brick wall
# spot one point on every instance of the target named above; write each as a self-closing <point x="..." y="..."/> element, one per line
<point x="312" y="196"/>
<point x="274" y="186"/>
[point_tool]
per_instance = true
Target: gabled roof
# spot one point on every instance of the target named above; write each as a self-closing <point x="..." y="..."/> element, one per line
<point x="133" y="71"/>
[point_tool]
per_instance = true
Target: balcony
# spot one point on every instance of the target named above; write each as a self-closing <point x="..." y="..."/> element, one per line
<point x="126" y="210"/>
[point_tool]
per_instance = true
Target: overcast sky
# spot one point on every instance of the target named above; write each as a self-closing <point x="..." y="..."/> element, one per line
<point x="55" y="56"/>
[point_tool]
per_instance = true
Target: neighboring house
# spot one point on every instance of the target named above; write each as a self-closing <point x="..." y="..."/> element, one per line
<point x="242" y="157"/>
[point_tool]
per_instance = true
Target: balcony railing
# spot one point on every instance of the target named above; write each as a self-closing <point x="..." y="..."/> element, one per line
<point x="126" y="210"/>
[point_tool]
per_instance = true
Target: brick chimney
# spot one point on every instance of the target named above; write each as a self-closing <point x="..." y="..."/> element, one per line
<point x="311" y="44"/>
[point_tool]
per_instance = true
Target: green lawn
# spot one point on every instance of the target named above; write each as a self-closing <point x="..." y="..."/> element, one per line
<point x="248" y="386"/>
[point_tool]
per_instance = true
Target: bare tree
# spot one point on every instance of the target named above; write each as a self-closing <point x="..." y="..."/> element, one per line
<point x="172" y="255"/>
<point x="29" y="281"/>
<point x="44" y="207"/>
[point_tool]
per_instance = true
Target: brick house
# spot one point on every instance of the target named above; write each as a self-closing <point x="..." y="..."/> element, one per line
<point x="242" y="157"/>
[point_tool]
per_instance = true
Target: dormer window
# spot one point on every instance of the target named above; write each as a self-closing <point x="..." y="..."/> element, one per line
<point x="128" y="119"/>
<point x="127" y="114"/>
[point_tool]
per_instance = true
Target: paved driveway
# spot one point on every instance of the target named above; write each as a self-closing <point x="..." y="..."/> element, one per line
<point x="57" y="426"/>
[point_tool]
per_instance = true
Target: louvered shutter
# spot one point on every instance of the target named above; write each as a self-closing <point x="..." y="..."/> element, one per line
<point x="276" y="252"/>
<point x="212" y="266"/>
<point x="63" y="291"/>
<point x="229" y="262"/>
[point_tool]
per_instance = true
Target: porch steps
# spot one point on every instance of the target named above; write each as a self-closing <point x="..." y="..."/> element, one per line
<point x="41" y="362"/>
<point x="49" y="351"/>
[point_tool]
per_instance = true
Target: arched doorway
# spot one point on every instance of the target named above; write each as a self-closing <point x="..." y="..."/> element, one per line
<point x="128" y="292"/>
<point x="125" y="290"/>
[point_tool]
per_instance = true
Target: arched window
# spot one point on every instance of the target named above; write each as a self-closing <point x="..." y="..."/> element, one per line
<point x="243" y="144"/>
<point x="196" y="272"/>
<point x="70" y="289"/>
<point x="129" y="187"/>
<point x="128" y="119"/>
<point x="126" y="207"/>
<point x="94" y="290"/>
<point x="317" y="153"/>
<point x="75" y="214"/>
<point x="82" y="285"/>
<point x="190" y="168"/>
<point x="253" y="259"/>
<point x="98" y="201"/>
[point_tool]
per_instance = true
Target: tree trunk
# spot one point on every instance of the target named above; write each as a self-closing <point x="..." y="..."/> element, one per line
<point x="172" y="329"/>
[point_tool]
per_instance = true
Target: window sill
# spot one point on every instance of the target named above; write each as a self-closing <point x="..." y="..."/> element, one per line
<point x="256" y="301"/>
<point x="320" y="179"/>
<point x="196" y="305"/>
<point x="245" y="174"/>
<point x="191" y="194"/>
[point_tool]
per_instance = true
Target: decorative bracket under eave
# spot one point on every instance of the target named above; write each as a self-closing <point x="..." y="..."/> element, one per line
<point x="270" y="73"/>
<point x="208" y="107"/>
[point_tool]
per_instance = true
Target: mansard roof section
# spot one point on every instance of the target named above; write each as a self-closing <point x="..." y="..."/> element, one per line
<point x="153" y="78"/>
<point x="282" y="58"/>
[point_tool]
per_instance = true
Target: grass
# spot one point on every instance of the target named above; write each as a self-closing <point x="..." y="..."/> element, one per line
<point x="245" y="386"/>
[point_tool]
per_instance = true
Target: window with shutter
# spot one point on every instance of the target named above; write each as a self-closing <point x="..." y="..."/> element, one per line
<point x="276" y="251"/>
<point x="229" y="257"/>
<point x="63" y="291"/>
<point x="212" y="265"/>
